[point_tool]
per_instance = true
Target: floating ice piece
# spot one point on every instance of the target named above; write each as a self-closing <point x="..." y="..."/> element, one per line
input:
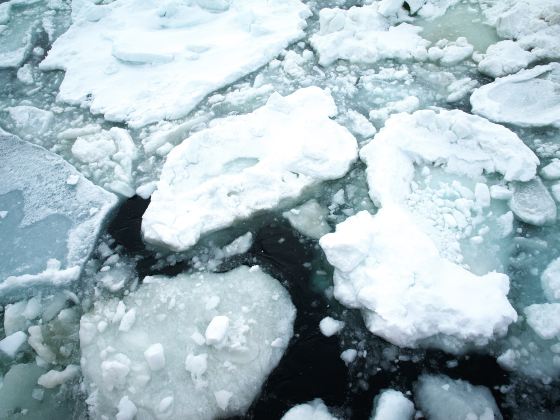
<point x="313" y="410"/>
<point x="532" y="203"/>
<point x="503" y="58"/>
<point x="11" y="344"/>
<point x="442" y="398"/>
<point x="30" y="121"/>
<point x="143" y="61"/>
<point x="330" y="326"/>
<point x="51" y="227"/>
<point x="392" y="405"/>
<point x="530" y="98"/>
<point x="449" y="53"/>
<point x="544" y="319"/>
<point x="309" y="218"/>
<point x="18" y="30"/>
<point x="363" y="35"/>
<point x="550" y="281"/>
<point x="54" y="378"/>
<point x="552" y="170"/>
<point x="171" y="311"/>
<point x="410" y="295"/>
<point x="348" y="356"/>
<point x="247" y="163"/>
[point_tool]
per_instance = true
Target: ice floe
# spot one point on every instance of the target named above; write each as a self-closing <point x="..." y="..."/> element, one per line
<point x="143" y="61"/>
<point x="212" y="337"/>
<point x="247" y="163"/>
<point x="532" y="203"/>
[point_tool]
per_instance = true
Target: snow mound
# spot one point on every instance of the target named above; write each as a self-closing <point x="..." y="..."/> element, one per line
<point x="313" y="410"/>
<point x="247" y="163"/>
<point x="409" y="295"/>
<point x="143" y="61"/>
<point x="530" y="98"/>
<point x="52" y="217"/>
<point x="211" y="337"/>
<point x="392" y="405"/>
<point x="364" y="35"/>
<point x="442" y="398"/>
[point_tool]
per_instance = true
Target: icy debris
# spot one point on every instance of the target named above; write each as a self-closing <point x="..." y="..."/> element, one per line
<point x="313" y="410"/>
<point x="386" y="266"/>
<point x="29" y="121"/>
<point x="217" y="330"/>
<point x="530" y="98"/>
<point x="142" y="62"/>
<point x="247" y="163"/>
<point x="406" y="104"/>
<point x="348" y="356"/>
<point x="442" y="398"/>
<point x="310" y="219"/>
<point x="51" y="227"/>
<point x="170" y="313"/>
<point x="330" y="326"/>
<point x="11" y="344"/>
<point x="127" y="409"/>
<point x="357" y="124"/>
<point x="544" y="319"/>
<point x="503" y="58"/>
<point x="550" y="281"/>
<point x="532" y="203"/>
<point x="551" y="171"/>
<point x="18" y="30"/>
<point x="449" y="53"/>
<point x="392" y="405"/>
<point x="363" y="35"/>
<point x="54" y="378"/>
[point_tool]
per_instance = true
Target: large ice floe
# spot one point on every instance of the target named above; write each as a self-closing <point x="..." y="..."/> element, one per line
<point x="51" y="217"/>
<point x="193" y="346"/>
<point x="143" y="61"/>
<point x="405" y="266"/>
<point x="530" y="98"/>
<point x="247" y="163"/>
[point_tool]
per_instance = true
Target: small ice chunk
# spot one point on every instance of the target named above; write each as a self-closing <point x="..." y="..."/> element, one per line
<point x="532" y="203"/>
<point x="11" y="344"/>
<point x="54" y="378"/>
<point x="155" y="357"/>
<point x="127" y="409"/>
<point x="499" y="192"/>
<point x="217" y="330"/>
<point x="544" y="319"/>
<point x="330" y="326"/>
<point x="482" y="194"/>
<point x="349" y="355"/>
<point x="550" y="281"/>
<point x="309" y="218"/>
<point x="503" y="58"/>
<point x="551" y="171"/>
<point x="222" y="398"/>
<point x="127" y="321"/>
<point x="313" y="410"/>
<point x="196" y="364"/>
<point x="392" y="405"/>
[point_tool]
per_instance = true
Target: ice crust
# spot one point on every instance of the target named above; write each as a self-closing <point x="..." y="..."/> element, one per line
<point x="50" y="227"/>
<point x="442" y="398"/>
<point x="392" y="405"/>
<point x="312" y="410"/>
<point x="143" y="61"/>
<point x="247" y="163"/>
<point x="529" y="98"/>
<point x="164" y="355"/>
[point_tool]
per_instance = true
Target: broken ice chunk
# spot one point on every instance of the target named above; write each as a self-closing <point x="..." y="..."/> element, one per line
<point x="392" y="405"/>
<point x="550" y="281"/>
<point x="217" y="330"/>
<point x="54" y="378"/>
<point x="247" y="163"/>
<point x="11" y="344"/>
<point x="330" y="326"/>
<point x="309" y="218"/>
<point x="544" y="319"/>
<point x="155" y="357"/>
<point x="532" y="203"/>
<point x="222" y="398"/>
<point x="316" y="410"/>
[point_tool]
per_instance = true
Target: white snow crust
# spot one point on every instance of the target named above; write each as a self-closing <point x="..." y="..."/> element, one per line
<point x="247" y="163"/>
<point x="143" y="61"/>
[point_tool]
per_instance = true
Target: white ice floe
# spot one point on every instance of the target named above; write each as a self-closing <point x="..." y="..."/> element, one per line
<point x="309" y="218"/>
<point x="164" y="356"/>
<point x="550" y="281"/>
<point x="247" y="163"/>
<point x="143" y="61"/>
<point x="312" y="410"/>
<point x="530" y="98"/>
<point x="442" y="398"/>
<point x="363" y="35"/>
<point x="532" y="203"/>
<point x="392" y="405"/>
<point x="51" y="226"/>
<point x="410" y="295"/>
<point x="544" y="319"/>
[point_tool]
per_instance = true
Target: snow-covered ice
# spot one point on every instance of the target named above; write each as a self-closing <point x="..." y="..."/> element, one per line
<point x="544" y="319"/>
<point x="550" y="281"/>
<point x="247" y="163"/>
<point x="165" y="356"/>
<point x="532" y="203"/>
<point x="392" y="405"/>
<point x="312" y="410"/>
<point x="529" y="98"/>
<point x="51" y="227"/>
<point x="143" y="61"/>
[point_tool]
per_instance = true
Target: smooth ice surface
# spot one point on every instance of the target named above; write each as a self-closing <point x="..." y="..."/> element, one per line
<point x="247" y="163"/>
<point x="442" y="398"/>
<point x="410" y="295"/>
<point x="312" y="410"/>
<point x="392" y="405"/>
<point x="530" y="98"/>
<point x="142" y="61"/>
<point x="50" y="226"/>
<point x="164" y="357"/>
<point x="532" y="203"/>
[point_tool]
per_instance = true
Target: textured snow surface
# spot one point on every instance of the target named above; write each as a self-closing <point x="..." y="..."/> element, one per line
<point x="530" y="98"/>
<point x="142" y="61"/>
<point x="247" y="163"/>
<point x="442" y="398"/>
<point x="164" y="366"/>
<point x="50" y="226"/>
<point x="392" y="405"/>
<point x="313" y="410"/>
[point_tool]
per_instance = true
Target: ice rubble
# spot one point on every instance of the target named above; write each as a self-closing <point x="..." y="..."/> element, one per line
<point x="384" y="264"/>
<point x="312" y="410"/>
<point x="310" y="219"/>
<point x="442" y="398"/>
<point x="392" y="405"/>
<point x="247" y="163"/>
<point x="530" y="98"/>
<point x="53" y="216"/>
<point x="211" y="337"/>
<point x="532" y="32"/>
<point x="143" y="61"/>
